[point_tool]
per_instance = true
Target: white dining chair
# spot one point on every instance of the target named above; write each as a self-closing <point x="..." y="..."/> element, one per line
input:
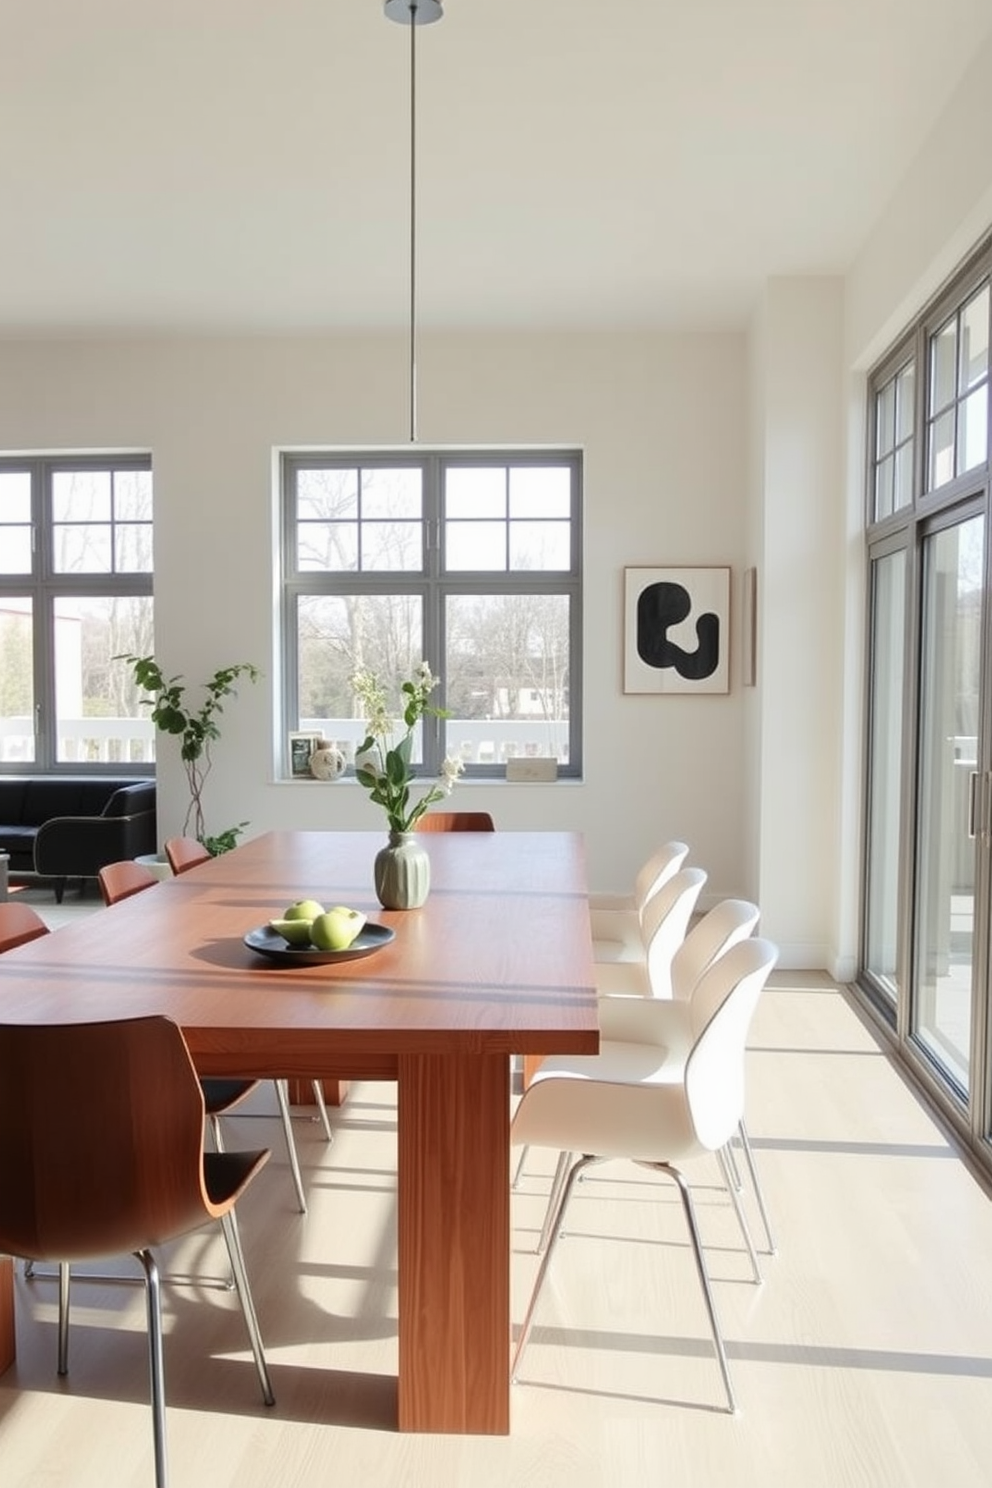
<point x="616" y="931"/>
<point x="667" y="915"/>
<point x="725" y="925"/>
<point x="666" y="921"/>
<point x="638" y="1100"/>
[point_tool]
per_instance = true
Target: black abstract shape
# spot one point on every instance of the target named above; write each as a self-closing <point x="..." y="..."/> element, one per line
<point x="660" y="606"/>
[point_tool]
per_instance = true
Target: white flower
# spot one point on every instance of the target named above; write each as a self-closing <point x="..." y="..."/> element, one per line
<point x="451" y="768"/>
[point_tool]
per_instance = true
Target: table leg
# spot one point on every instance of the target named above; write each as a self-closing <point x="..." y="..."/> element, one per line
<point x="454" y="1243"/>
<point x="7" y="1345"/>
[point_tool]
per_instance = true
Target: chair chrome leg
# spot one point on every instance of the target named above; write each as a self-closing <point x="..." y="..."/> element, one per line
<point x="318" y="1095"/>
<point x="735" y="1199"/>
<point x="229" y="1225"/>
<point x="64" y="1278"/>
<point x="697" y="1250"/>
<point x="519" y="1169"/>
<point x="732" y="1170"/>
<point x="156" y="1362"/>
<point x="561" y="1171"/>
<point x="282" y="1096"/>
<point x="569" y="1184"/>
<point x="755" y="1184"/>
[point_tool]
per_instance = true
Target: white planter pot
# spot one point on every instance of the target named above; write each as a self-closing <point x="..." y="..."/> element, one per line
<point x="157" y="863"/>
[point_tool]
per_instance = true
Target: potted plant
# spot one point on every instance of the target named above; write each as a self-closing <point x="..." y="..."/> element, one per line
<point x="196" y="728"/>
<point x="382" y="765"/>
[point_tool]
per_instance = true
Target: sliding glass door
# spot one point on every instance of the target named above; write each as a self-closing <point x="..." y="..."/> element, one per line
<point x="950" y="696"/>
<point x="927" y="906"/>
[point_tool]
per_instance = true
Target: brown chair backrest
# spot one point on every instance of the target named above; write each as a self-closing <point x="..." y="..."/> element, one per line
<point x="125" y="1170"/>
<point x="456" y="821"/>
<point x="185" y="852"/>
<point x="19" y="923"/>
<point x="121" y="880"/>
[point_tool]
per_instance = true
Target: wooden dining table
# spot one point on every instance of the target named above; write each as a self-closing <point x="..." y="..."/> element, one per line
<point x="497" y="962"/>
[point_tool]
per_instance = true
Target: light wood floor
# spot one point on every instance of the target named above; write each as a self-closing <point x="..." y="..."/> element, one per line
<point x="864" y="1359"/>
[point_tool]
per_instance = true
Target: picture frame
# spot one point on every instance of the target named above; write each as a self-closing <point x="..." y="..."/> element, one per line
<point x="301" y="747"/>
<point x="749" y="628"/>
<point x="676" y="630"/>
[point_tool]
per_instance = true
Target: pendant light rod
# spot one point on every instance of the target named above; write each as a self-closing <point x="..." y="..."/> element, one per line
<point x="413" y="13"/>
<point x="413" y="227"/>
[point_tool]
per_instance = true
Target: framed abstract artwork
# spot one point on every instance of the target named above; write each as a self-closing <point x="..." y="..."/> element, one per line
<point x="749" y="624"/>
<point x="676" y="630"/>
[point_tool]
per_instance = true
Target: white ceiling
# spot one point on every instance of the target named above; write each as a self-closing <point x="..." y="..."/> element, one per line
<point x="243" y="164"/>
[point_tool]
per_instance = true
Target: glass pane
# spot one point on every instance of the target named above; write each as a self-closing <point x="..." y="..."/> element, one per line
<point x="885" y="419"/>
<point x="884" y="474"/>
<point x="474" y="546"/>
<point x="15" y="550"/>
<point x="888" y="638"/>
<point x="98" y="713"/>
<point x="133" y="547"/>
<point x="973" y="433"/>
<point x="974" y="341"/>
<point x="941" y="468"/>
<point x="506" y="676"/>
<point x="327" y="546"/>
<point x="902" y="494"/>
<point x="948" y="726"/>
<point x="133" y="495"/>
<point x="82" y="549"/>
<point x="324" y="494"/>
<point x="471" y="492"/>
<point x="392" y="494"/>
<point x="541" y="491"/>
<point x="540" y="545"/>
<point x="81" y="496"/>
<point x="17" y="745"/>
<point x="394" y="547"/>
<point x="943" y="356"/>
<point x="905" y="399"/>
<point x="339" y="634"/>
<point x="15" y="496"/>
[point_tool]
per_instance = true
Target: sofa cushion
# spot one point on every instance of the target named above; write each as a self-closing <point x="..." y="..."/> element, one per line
<point x="17" y="841"/>
<point x="11" y="801"/>
<point x="48" y="796"/>
<point x="45" y="796"/>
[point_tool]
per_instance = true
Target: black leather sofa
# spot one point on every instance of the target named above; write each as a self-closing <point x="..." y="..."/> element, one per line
<point x="69" y="826"/>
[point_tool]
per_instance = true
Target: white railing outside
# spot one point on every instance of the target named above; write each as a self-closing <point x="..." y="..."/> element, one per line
<point x="109" y="741"/>
<point x="116" y="741"/>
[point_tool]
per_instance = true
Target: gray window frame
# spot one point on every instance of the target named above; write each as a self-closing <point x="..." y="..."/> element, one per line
<point x="44" y="585"/>
<point x="432" y="583"/>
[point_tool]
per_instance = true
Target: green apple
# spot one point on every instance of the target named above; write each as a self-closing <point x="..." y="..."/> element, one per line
<point x="297" y="932"/>
<point x="304" y="909"/>
<point x="337" y="928"/>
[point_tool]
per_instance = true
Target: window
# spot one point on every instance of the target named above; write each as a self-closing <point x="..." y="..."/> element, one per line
<point x="471" y="562"/>
<point x="75" y="591"/>
<point x="957" y="405"/>
<point x="926" y="952"/>
<point x="894" y="426"/>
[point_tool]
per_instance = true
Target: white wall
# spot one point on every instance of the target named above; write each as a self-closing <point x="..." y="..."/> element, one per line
<point x="662" y="421"/>
<point x="796" y="419"/>
<point x="940" y="212"/>
<point x="941" y="209"/>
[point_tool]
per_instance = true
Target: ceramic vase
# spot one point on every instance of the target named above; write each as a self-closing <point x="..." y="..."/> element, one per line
<point x="402" y="872"/>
